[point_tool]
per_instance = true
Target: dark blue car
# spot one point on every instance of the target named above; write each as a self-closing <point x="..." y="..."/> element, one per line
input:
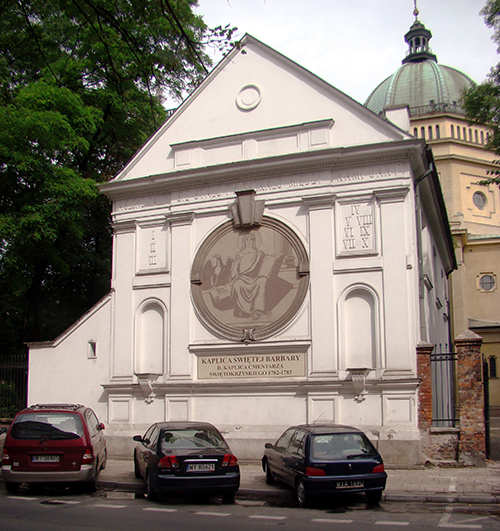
<point x="325" y="459"/>
<point x="186" y="457"/>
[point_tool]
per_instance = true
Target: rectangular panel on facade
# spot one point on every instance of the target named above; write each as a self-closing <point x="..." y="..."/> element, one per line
<point x="399" y="409"/>
<point x="356" y="228"/>
<point x="152" y="249"/>
<point x="177" y="409"/>
<point x="119" y="409"/>
<point x="322" y="409"/>
<point x="252" y="366"/>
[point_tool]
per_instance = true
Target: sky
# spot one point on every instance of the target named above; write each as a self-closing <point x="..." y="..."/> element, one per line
<point x="355" y="44"/>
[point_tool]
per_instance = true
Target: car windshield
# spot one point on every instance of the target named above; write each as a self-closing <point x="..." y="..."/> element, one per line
<point x="341" y="446"/>
<point x="191" y="438"/>
<point x="47" y="426"/>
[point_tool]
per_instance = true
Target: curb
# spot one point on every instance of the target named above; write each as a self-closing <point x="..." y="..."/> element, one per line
<point x="265" y="494"/>
<point x="442" y="498"/>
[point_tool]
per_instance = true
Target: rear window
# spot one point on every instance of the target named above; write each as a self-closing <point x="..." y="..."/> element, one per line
<point x="191" y="438"/>
<point x="47" y="426"/>
<point x="341" y="445"/>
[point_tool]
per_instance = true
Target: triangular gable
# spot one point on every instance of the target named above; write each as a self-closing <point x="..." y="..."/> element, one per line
<point x="257" y="103"/>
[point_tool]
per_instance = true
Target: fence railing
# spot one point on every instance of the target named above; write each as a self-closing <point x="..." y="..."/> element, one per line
<point x="13" y="384"/>
<point x="443" y="389"/>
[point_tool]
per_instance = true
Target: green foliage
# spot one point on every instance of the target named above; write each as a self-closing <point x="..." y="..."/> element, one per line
<point x="82" y="83"/>
<point x="12" y="399"/>
<point x="482" y="103"/>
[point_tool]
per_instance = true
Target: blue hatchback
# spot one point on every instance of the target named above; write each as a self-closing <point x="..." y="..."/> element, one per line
<point x="325" y="459"/>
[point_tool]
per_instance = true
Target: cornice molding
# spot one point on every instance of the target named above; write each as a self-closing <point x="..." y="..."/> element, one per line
<point x="171" y="388"/>
<point x="290" y="164"/>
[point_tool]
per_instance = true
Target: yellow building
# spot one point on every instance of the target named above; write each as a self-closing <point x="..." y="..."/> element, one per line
<point x="431" y="93"/>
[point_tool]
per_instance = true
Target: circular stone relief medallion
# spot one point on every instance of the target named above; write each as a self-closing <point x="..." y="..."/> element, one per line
<point x="250" y="282"/>
<point x="248" y="98"/>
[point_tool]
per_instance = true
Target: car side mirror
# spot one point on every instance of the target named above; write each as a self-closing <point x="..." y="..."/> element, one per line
<point x="101" y="426"/>
<point x="137" y="438"/>
<point x="269" y="445"/>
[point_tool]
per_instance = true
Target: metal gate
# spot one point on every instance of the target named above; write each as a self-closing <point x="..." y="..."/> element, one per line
<point x="443" y="389"/>
<point x="13" y="384"/>
<point x="486" y="394"/>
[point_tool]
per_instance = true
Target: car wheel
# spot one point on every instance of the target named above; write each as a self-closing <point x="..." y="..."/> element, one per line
<point x="150" y="492"/>
<point x="36" y="488"/>
<point x="12" y="488"/>
<point x="91" y="486"/>
<point x="269" y="474"/>
<point x="105" y="460"/>
<point x="228" y="497"/>
<point x="302" y="496"/>
<point x="137" y="471"/>
<point x="373" y="496"/>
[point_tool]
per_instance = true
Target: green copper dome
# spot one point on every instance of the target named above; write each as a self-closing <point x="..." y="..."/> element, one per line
<point x="421" y="83"/>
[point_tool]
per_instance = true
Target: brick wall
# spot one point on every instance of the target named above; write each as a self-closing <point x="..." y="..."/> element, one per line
<point x="472" y="444"/>
<point x="467" y="444"/>
<point x="424" y="351"/>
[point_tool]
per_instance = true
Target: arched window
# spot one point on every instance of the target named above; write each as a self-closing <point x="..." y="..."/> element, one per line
<point x="415" y="132"/>
<point x="422" y="132"/>
<point x="438" y="132"/>
<point x="458" y="133"/>
<point x="476" y="140"/>
<point x="429" y="129"/>
<point x="452" y="131"/>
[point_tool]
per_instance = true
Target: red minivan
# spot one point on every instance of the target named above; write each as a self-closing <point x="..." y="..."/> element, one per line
<point x="54" y="443"/>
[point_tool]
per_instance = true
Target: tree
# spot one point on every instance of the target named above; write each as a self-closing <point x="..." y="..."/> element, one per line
<point x="482" y="103"/>
<point x="82" y="84"/>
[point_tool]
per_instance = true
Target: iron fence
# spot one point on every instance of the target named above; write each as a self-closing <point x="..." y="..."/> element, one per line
<point x="486" y="397"/>
<point x="443" y="367"/>
<point x="13" y="384"/>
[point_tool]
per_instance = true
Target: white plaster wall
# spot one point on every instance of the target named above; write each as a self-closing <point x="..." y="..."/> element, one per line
<point x="434" y="290"/>
<point x="64" y="373"/>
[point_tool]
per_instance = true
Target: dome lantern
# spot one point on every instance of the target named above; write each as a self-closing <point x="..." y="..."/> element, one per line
<point x="418" y="38"/>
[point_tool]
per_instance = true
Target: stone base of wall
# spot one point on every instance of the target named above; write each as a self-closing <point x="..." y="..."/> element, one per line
<point x="440" y="445"/>
<point x="400" y="453"/>
<point x="394" y="452"/>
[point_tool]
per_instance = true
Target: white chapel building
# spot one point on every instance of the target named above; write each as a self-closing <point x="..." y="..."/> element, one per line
<point x="280" y="251"/>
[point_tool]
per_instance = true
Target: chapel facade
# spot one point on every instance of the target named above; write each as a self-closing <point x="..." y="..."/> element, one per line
<point x="272" y="246"/>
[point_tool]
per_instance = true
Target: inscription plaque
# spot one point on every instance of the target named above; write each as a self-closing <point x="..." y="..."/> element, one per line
<point x="357" y="228"/>
<point x="252" y="366"/>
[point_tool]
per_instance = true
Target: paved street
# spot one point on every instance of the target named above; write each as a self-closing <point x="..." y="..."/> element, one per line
<point x="424" y="484"/>
<point x="416" y="498"/>
<point x="110" y="509"/>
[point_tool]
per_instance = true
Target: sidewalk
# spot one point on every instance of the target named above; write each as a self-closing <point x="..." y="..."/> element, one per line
<point x="430" y="484"/>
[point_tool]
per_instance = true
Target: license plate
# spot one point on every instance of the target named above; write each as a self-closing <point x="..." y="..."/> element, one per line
<point x="45" y="459"/>
<point x="352" y="484"/>
<point x="200" y="467"/>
